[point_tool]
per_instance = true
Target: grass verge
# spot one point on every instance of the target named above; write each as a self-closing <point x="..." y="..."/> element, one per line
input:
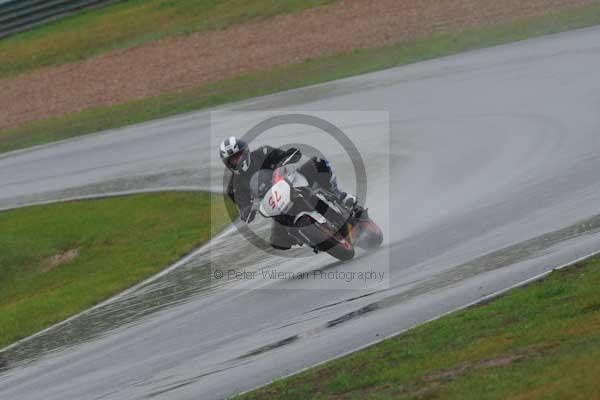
<point x="293" y="76"/>
<point x="537" y="342"/>
<point x="57" y="260"/>
<point x="127" y="24"/>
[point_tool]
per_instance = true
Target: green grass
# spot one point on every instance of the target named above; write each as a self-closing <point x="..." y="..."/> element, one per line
<point x="293" y="76"/>
<point x="120" y="241"/>
<point x="537" y="342"/>
<point x="130" y="23"/>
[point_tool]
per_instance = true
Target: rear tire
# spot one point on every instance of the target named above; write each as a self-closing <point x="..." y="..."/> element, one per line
<point x="338" y="248"/>
<point x="328" y="241"/>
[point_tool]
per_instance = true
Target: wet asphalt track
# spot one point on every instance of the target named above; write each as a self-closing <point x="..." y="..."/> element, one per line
<point x="494" y="163"/>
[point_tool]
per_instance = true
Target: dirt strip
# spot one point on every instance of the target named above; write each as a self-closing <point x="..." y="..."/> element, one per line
<point x="184" y="62"/>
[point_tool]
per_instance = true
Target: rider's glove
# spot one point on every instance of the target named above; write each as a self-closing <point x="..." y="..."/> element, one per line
<point x="247" y="214"/>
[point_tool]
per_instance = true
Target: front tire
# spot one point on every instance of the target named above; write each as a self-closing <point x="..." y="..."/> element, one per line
<point x="370" y="236"/>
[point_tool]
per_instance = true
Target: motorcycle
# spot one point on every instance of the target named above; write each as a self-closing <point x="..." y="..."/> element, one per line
<point x="313" y="216"/>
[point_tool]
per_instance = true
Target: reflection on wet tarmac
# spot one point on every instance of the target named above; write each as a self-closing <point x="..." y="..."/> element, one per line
<point x="193" y="279"/>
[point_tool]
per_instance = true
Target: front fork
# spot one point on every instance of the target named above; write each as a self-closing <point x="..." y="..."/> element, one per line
<point x="350" y="229"/>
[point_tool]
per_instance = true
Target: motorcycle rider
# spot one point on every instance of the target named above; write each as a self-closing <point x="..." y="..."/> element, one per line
<point x="243" y="164"/>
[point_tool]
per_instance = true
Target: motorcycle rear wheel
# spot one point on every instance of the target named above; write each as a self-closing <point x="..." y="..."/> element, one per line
<point x="342" y="249"/>
<point x="326" y="240"/>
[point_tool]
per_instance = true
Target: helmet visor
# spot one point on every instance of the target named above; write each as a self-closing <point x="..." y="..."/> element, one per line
<point x="234" y="161"/>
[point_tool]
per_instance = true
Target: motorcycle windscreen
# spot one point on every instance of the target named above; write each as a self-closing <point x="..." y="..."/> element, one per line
<point x="277" y="201"/>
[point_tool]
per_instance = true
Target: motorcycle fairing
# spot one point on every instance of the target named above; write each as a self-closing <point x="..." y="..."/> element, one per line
<point x="277" y="201"/>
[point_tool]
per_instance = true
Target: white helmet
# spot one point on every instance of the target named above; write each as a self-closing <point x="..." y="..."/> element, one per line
<point x="235" y="154"/>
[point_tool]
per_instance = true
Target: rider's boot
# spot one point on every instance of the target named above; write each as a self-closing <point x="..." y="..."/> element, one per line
<point x="347" y="199"/>
<point x="320" y="171"/>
